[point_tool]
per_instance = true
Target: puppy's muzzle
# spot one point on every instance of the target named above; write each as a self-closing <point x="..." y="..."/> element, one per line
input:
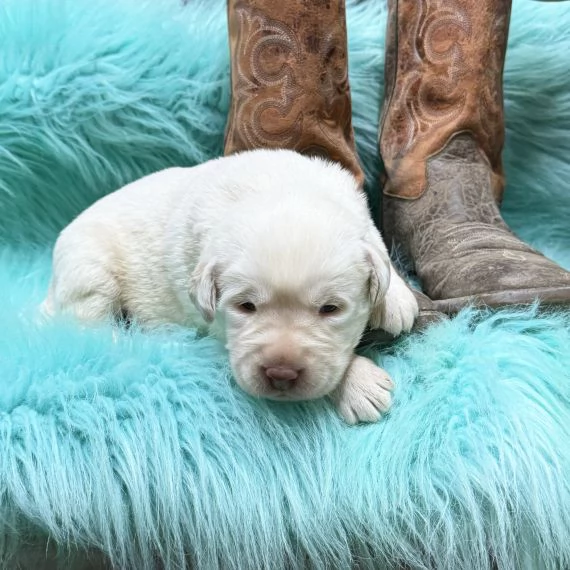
<point x="282" y="377"/>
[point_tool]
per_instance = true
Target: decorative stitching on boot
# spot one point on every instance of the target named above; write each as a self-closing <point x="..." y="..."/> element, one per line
<point x="290" y="85"/>
<point x="450" y="55"/>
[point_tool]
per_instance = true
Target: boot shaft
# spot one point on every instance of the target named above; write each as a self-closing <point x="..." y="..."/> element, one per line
<point x="289" y="73"/>
<point x="444" y="70"/>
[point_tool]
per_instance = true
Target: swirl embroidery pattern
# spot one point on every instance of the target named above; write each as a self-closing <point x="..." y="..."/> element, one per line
<point x="290" y="86"/>
<point x="446" y="74"/>
<point x="432" y="98"/>
<point x="265" y="89"/>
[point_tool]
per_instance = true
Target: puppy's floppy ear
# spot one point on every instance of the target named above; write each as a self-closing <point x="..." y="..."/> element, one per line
<point x="203" y="290"/>
<point x="380" y="270"/>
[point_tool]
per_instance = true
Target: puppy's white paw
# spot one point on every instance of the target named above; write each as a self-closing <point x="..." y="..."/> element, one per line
<point x="400" y="307"/>
<point x="364" y="393"/>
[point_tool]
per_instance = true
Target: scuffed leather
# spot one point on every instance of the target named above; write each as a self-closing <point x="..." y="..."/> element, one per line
<point x="441" y="142"/>
<point x="444" y="64"/>
<point x="454" y="233"/>
<point x="289" y="73"/>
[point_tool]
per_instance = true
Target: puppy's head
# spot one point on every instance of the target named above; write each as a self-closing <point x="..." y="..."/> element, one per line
<point x="293" y="285"/>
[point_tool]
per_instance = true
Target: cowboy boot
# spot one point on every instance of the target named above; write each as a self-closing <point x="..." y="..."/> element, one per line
<point x="290" y="89"/>
<point x="441" y="139"/>
<point x="289" y="74"/>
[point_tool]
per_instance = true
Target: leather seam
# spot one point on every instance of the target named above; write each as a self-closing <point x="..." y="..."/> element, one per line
<point x="434" y="155"/>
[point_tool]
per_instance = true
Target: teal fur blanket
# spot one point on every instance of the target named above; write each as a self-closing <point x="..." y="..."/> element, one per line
<point x="144" y="450"/>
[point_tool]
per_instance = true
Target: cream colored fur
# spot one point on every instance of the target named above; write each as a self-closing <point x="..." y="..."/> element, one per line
<point x="282" y="232"/>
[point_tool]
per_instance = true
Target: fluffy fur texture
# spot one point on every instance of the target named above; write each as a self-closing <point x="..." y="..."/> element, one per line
<point x="223" y="247"/>
<point x="144" y="448"/>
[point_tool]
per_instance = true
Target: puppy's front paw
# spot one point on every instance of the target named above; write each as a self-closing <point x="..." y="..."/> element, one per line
<point x="365" y="392"/>
<point x="400" y="307"/>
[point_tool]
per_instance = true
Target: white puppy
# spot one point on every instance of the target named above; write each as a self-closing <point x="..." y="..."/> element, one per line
<point x="275" y="252"/>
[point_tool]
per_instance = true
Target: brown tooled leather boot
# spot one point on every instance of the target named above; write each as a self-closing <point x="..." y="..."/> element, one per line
<point x="289" y="73"/>
<point x="441" y="139"/>
<point x="290" y="89"/>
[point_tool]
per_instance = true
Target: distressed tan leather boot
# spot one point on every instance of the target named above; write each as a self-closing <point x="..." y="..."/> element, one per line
<point x="289" y="74"/>
<point x="441" y="140"/>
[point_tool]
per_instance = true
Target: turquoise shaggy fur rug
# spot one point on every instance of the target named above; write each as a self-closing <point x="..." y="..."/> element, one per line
<point x="143" y="449"/>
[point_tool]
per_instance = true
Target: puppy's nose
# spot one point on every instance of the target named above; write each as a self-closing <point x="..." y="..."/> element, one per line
<point x="281" y="377"/>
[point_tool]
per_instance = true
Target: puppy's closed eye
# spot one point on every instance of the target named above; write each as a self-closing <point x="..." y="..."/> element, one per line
<point x="329" y="310"/>
<point x="247" y="307"/>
